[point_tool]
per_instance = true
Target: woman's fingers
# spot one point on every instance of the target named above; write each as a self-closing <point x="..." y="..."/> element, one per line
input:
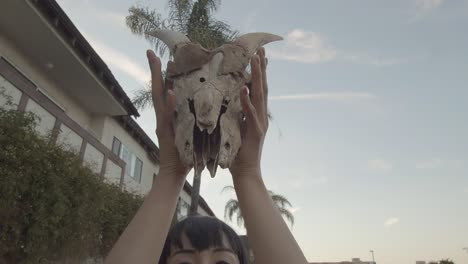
<point x="156" y="79"/>
<point x="257" y="87"/>
<point x="263" y="65"/>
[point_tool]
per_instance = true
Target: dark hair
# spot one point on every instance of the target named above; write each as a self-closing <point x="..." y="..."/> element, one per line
<point x="203" y="232"/>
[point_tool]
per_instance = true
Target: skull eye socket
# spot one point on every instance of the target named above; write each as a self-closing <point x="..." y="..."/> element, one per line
<point x="227" y="145"/>
<point x="202" y="79"/>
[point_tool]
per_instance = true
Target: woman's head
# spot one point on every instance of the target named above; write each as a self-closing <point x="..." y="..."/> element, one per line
<point x="203" y="239"/>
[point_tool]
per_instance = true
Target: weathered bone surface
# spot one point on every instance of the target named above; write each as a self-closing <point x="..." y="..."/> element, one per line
<point x="207" y="86"/>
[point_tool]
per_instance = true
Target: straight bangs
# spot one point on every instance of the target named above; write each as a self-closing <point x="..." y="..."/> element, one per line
<point x="203" y="232"/>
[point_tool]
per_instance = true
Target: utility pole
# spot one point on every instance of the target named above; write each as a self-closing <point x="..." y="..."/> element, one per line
<point x="373" y="258"/>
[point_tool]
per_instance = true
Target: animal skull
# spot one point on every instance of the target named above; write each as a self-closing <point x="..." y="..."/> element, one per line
<point x="207" y="86"/>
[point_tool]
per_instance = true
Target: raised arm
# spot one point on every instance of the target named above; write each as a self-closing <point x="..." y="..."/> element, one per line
<point x="143" y="239"/>
<point x="269" y="236"/>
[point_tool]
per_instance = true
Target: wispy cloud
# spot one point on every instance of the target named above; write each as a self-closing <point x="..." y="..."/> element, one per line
<point x="345" y="96"/>
<point x="391" y="222"/>
<point x="380" y="165"/>
<point x="312" y="47"/>
<point x="304" y="46"/>
<point x="120" y="61"/>
<point x="428" y="4"/>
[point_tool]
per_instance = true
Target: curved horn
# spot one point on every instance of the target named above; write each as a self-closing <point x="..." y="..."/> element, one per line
<point x="252" y="41"/>
<point x="170" y="38"/>
<point x="216" y="62"/>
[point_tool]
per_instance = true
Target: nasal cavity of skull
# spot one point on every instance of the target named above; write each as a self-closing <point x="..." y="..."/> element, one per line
<point x="225" y="101"/>
<point x="224" y="106"/>
<point x="223" y="109"/>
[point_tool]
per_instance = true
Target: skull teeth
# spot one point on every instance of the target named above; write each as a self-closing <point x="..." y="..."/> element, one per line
<point x="206" y="148"/>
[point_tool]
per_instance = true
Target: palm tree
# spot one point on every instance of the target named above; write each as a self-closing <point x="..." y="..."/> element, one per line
<point x="232" y="207"/>
<point x="195" y="20"/>
<point x="446" y="261"/>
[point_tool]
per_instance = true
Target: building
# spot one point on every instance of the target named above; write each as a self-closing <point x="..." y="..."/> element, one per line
<point x="49" y="68"/>
<point x="353" y="261"/>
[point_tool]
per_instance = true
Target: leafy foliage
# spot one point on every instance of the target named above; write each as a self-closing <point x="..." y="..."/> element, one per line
<point x="446" y="261"/>
<point x="51" y="207"/>
<point x="232" y="207"/>
<point x="442" y="261"/>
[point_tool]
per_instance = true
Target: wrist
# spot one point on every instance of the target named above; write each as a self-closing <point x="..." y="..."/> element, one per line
<point x="246" y="174"/>
<point x="169" y="177"/>
<point x="248" y="183"/>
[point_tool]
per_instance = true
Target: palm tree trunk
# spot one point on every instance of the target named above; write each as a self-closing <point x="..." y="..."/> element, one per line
<point x="195" y="194"/>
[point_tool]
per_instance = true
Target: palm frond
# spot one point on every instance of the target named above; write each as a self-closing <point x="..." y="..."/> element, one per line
<point x="287" y="214"/>
<point x="210" y="5"/>
<point x="141" y="20"/>
<point x="179" y="14"/>
<point x="143" y="99"/>
<point x="231" y="208"/>
<point x="223" y="29"/>
<point x="280" y="200"/>
<point x="240" y="219"/>
<point x="211" y="35"/>
<point x="228" y="188"/>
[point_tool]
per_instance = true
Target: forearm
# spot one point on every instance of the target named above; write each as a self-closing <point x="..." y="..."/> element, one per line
<point x="143" y="239"/>
<point x="269" y="236"/>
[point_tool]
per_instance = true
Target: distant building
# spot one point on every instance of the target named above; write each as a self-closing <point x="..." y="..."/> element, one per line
<point x="353" y="261"/>
<point x="245" y="242"/>
<point x="47" y="67"/>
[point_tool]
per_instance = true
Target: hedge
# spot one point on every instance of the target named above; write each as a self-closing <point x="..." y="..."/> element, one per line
<point x="53" y="209"/>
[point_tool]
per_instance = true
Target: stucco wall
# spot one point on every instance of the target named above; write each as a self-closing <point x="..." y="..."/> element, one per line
<point x="112" y="129"/>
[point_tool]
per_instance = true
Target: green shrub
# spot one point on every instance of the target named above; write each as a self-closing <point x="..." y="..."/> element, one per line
<point x="51" y="207"/>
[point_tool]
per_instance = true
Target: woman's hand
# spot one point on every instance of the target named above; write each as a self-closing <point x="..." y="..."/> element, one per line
<point x="254" y="107"/>
<point x="164" y="106"/>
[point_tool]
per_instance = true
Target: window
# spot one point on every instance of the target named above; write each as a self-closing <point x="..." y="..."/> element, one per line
<point x="116" y="146"/>
<point x="138" y="169"/>
<point x="134" y="166"/>
<point x="182" y="209"/>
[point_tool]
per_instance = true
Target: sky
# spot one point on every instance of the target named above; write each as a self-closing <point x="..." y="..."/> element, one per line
<point x="369" y="133"/>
